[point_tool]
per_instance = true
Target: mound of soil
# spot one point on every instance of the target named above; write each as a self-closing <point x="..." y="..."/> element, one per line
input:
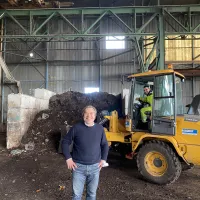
<point x="65" y="110"/>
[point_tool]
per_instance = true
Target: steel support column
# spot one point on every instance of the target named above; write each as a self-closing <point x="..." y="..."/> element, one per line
<point x="98" y="55"/>
<point x="47" y="63"/>
<point x="2" y="72"/>
<point x="193" y="81"/>
<point x="47" y="75"/>
<point x="161" y="43"/>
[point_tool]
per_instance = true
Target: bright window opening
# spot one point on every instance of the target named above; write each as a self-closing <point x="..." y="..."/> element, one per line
<point x="115" y="42"/>
<point x="91" y="90"/>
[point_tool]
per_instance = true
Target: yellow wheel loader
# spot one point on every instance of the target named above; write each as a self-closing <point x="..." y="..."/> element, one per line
<point x="170" y="140"/>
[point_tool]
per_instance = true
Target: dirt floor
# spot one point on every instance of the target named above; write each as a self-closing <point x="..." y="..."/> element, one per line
<point x="39" y="175"/>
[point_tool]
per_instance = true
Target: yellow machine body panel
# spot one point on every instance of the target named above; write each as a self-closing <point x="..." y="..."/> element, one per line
<point x="185" y="142"/>
<point x="170" y="140"/>
<point x="138" y="138"/>
<point x="188" y="138"/>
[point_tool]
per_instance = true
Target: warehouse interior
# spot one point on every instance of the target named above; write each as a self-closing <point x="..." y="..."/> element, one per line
<point x="68" y="49"/>
<point x="91" y="46"/>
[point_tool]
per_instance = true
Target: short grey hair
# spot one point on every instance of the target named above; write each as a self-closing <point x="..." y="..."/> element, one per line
<point x="89" y="106"/>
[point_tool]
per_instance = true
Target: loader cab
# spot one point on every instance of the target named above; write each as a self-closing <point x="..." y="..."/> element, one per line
<point x="137" y="90"/>
<point x="167" y="101"/>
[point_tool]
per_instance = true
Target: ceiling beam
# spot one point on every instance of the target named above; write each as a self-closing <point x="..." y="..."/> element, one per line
<point x="13" y="2"/>
<point x="189" y="72"/>
<point x="99" y="11"/>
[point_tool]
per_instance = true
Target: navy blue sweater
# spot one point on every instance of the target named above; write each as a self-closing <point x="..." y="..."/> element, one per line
<point x="89" y="144"/>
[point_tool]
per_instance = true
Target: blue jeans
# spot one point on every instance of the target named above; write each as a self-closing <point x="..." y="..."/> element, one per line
<point x="88" y="174"/>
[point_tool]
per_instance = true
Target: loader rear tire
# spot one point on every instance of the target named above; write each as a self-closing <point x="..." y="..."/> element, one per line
<point x="158" y="163"/>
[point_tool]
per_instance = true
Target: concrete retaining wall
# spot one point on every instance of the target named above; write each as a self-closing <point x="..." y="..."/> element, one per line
<point x="21" y="111"/>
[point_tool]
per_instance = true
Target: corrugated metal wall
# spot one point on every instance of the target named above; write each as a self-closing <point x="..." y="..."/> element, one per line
<point x="189" y="89"/>
<point x="181" y="48"/>
<point x="75" y="64"/>
<point x="74" y="77"/>
<point x="112" y="69"/>
<point x="180" y="51"/>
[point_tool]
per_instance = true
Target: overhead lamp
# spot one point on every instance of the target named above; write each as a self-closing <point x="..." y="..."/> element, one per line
<point x="31" y="54"/>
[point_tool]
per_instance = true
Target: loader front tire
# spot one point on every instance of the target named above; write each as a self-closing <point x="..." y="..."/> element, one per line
<point x="158" y="163"/>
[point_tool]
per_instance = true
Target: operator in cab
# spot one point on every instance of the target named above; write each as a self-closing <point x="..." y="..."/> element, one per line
<point x="148" y="99"/>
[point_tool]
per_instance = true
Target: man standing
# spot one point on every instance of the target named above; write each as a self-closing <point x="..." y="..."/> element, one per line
<point x="90" y="150"/>
<point x="149" y="100"/>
